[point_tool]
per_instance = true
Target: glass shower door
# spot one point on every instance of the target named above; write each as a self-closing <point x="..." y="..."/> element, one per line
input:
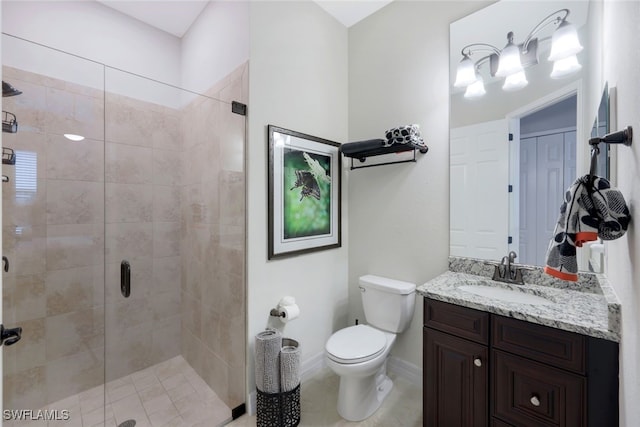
<point x="174" y="255"/>
<point x="53" y="237"/>
<point x="123" y="227"/>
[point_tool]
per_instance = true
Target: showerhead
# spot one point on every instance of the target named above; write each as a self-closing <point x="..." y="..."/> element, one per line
<point x="8" y="90"/>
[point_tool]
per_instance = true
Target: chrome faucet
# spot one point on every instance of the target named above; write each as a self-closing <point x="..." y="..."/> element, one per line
<point x="507" y="272"/>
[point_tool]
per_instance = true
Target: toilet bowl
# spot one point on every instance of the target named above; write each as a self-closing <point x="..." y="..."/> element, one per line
<point x="358" y="354"/>
<point x="363" y="380"/>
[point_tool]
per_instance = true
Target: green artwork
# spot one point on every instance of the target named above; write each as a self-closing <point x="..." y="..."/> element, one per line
<point x="306" y="194"/>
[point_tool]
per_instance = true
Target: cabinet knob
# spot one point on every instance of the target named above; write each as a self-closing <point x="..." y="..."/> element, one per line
<point x="477" y="361"/>
<point x="535" y="401"/>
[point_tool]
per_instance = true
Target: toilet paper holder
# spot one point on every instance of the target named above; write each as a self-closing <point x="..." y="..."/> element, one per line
<point x="275" y="312"/>
<point x="286" y="310"/>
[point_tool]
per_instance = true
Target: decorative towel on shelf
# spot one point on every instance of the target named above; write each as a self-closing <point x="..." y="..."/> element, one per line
<point x="267" y="353"/>
<point x="588" y="212"/>
<point x="289" y="365"/>
<point x="409" y="134"/>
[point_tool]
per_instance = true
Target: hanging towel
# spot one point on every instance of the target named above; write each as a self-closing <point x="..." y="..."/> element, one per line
<point x="267" y="352"/>
<point x="588" y="212"/>
<point x="289" y="365"/>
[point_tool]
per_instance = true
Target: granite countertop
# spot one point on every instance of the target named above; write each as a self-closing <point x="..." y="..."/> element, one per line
<point x="589" y="306"/>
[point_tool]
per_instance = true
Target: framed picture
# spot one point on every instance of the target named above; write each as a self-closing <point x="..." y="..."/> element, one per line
<point x="304" y="193"/>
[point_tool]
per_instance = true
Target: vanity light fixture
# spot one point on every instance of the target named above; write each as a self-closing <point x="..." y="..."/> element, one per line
<point x="513" y="59"/>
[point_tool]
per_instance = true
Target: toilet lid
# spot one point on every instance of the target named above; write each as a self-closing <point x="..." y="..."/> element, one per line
<point x="356" y="344"/>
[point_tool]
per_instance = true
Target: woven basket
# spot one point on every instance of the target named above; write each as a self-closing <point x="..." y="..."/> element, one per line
<point x="278" y="409"/>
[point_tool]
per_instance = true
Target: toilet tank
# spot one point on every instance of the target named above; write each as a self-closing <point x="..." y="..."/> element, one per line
<point x="388" y="303"/>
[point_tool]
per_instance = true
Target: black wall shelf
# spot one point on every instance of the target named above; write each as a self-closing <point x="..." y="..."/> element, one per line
<point x="359" y="158"/>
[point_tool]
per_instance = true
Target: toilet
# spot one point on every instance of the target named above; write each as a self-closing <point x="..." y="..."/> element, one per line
<point x="358" y="353"/>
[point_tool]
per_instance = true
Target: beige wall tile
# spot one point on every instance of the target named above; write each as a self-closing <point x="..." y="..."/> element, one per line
<point x="75" y="202"/>
<point x="23" y="206"/>
<point x="74" y="332"/>
<point x="74" y="289"/>
<point x="128" y="240"/>
<point x="166" y="338"/>
<point x="25" y="389"/>
<point x="73" y="374"/>
<point x="166" y="203"/>
<point x="69" y="246"/>
<point x="166" y="239"/>
<point x="128" y="164"/>
<point x="126" y="123"/>
<point x="76" y="160"/>
<point x="30" y="353"/>
<point x="128" y="202"/>
<point x="25" y="246"/>
<point x="166" y="274"/>
<point x="29" y="297"/>
<point x="165" y="132"/>
<point x="167" y="167"/>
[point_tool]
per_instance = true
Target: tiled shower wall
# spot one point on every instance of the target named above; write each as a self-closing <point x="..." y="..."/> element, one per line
<point x="213" y="239"/>
<point x="174" y="186"/>
<point x="142" y="226"/>
<point x="53" y="236"/>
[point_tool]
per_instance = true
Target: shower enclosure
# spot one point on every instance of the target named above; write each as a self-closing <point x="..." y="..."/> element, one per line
<point x="123" y="225"/>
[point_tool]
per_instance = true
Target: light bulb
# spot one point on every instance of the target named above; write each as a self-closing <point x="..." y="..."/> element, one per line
<point x="475" y="89"/>
<point x="515" y="81"/>
<point x="564" y="67"/>
<point x="564" y="42"/>
<point x="466" y="73"/>
<point x="509" y="61"/>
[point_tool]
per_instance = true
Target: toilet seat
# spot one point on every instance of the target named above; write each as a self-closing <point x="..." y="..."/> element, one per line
<point x="356" y="344"/>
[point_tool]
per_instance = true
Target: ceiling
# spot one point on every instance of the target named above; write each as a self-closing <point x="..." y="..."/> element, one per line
<point x="175" y="17"/>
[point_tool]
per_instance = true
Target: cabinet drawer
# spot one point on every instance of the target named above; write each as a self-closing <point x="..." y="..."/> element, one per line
<point x="548" y="345"/>
<point x="457" y="320"/>
<point x="497" y="423"/>
<point x="527" y="393"/>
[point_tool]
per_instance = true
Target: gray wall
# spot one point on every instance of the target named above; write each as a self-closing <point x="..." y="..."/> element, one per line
<point x="399" y="214"/>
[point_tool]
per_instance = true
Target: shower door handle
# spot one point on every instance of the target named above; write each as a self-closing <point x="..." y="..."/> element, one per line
<point x="125" y="278"/>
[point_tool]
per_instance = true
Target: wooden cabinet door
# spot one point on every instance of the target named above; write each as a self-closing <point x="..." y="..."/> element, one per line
<point x="455" y="389"/>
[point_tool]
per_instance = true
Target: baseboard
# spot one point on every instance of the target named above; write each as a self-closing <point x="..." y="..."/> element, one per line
<point x="406" y="370"/>
<point x="312" y="366"/>
<point x="317" y="363"/>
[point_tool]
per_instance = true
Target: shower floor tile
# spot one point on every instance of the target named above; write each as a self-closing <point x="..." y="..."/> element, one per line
<point x="169" y="394"/>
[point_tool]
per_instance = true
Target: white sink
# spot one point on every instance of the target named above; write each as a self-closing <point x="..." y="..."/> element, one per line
<point x="504" y="294"/>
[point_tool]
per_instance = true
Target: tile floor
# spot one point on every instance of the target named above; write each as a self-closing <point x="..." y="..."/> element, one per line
<point x="402" y="408"/>
<point x="169" y="394"/>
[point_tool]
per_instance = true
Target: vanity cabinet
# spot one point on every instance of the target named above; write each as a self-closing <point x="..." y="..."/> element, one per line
<point x="483" y="369"/>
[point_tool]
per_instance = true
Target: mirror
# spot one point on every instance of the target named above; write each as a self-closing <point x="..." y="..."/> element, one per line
<point x="601" y="128"/>
<point x="513" y="153"/>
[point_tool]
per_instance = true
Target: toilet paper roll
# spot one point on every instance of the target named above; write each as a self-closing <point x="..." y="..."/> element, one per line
<point x="289" y="312"/>
<point x="289" y="365"/>
<point x="287" y="301"/>
<point x="267" y="353"/>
